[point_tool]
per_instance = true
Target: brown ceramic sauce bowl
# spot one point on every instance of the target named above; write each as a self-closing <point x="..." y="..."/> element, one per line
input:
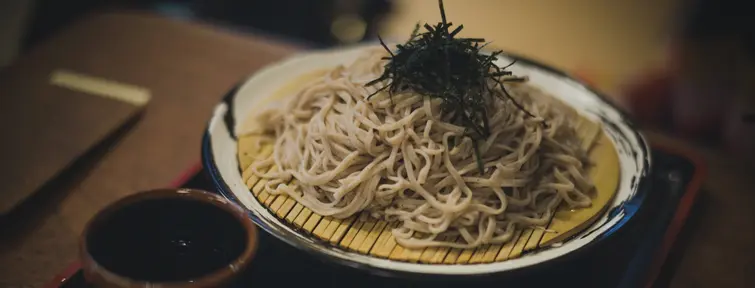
<point x="167" y="238"/>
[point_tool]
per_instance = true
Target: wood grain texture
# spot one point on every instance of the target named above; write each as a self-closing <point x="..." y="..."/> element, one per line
<point x="187" y="67"/>
<point x="77" y="122"/>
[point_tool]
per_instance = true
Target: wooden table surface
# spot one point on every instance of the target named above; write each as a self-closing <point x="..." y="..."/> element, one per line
<point x="188" y="67"/>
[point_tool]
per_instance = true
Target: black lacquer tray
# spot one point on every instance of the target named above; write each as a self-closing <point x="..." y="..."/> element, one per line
<point x="633" y="259"/>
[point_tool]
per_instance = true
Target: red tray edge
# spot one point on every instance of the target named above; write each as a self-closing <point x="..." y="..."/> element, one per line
<point x="72" y="268"/>
<point x="682" y="211"/>
<point x="677" y="222"/>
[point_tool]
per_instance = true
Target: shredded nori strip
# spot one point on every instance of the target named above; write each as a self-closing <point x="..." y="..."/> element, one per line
<point x="437" y="64"/>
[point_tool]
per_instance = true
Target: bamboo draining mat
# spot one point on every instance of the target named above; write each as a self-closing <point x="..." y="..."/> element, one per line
<point x="366" y="235"/>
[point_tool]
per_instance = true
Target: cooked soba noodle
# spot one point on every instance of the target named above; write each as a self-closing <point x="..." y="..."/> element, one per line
<point x="339" y="154"/>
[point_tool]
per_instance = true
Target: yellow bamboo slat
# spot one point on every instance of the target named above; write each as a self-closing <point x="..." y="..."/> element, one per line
<point x="370" y="236"/>
<point x="491" y="252"/>
<point x="465" y="256"/>
<point x="341" y="229"/>
<point x="258" y="186"/>
<point x="303" y="217"/>
<point x="534" y="241"/>
<point x="249" y="179"/>
<point x="278" y="203"/>
<point x="311" y="222"/>
<point x="505" y="251"/>
<point x="247" y="156"/>
<point x="478" y="254"/>
<point x="453" y="253"/>
<point x="520" y="243"/>
<point x="319" y="231"/>
<point x="398" y="251"/>
<point x="329" y="230"/>
<point x="270" y="199"/>
<point x="362" y="233"/>
<point x="385" y="242"/>
<point x="294" y="213"/>
<point x="257" y="189"/>
<point x="263" y="196"/>
<point x="349" y="237"/>
<point x="251" y="183"/>
<point x="285" y="208"/>
<point x="405" y="254"/>
<point x="430" y="252"/>
<point x="442" y="252"/>
<point x="412" y="255"/>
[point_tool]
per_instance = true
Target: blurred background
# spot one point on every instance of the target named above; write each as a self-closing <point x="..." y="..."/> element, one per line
<point x="707" y="44"/>
<point x="685" y="67"/>
<point x="613" y="39"/>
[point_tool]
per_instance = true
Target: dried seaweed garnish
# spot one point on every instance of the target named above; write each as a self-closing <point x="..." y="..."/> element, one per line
<point x="437" y="64"/>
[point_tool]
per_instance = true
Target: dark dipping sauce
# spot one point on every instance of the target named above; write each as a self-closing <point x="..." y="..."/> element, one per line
<point x="165" y="240"/>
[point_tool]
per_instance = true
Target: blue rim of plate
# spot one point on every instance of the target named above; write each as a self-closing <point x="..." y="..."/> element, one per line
<point x="629" y="207"/>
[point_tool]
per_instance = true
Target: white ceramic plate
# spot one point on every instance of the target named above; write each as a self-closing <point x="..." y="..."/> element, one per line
<point x="219" y="154"/>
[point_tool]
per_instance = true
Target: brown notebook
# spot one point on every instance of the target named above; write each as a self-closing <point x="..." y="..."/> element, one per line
<point x="48" y="121"/>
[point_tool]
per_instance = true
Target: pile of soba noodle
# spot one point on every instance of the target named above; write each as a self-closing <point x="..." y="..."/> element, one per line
<point x="339" y="154"/>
